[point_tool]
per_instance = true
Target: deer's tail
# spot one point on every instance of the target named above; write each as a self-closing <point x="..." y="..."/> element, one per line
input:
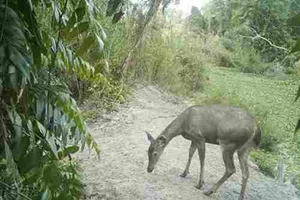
<point x="257" y="136"/>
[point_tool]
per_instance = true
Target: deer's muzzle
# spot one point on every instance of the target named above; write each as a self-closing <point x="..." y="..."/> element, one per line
<point x="150" y="169"/>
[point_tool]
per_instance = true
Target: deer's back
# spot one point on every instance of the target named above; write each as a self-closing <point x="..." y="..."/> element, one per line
<point x="217" y="123"/>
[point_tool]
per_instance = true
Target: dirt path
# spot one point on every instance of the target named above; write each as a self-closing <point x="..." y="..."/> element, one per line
<point x="121" y="171"/>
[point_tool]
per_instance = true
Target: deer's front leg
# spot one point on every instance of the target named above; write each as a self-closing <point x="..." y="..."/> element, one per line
<point x="227" y="152"/>
<point x="201" y="152"/>
<point x="191" y="153"/>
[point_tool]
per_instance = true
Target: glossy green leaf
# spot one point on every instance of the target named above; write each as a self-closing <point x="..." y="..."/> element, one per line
<point x="51" y="141"/>
<point x="56" y="12"/>
<point x="41" y="128"/>
<point x="53" y="45"/>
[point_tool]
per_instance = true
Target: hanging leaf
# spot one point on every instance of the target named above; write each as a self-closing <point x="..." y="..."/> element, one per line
<point x="112" y="7"/>
<point x="100" y="43"/>
<point x="41" y="128"/>
<point x="103" y="34"/>
<point x="53" y="45"/>
<point x="56" y="11"/>
<point x="51" y="141"/>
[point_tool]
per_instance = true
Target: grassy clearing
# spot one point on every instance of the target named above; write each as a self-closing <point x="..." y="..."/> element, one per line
<point x="272" y="102"/>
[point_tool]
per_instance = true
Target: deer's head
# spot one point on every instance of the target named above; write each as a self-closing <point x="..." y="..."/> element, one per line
<point x="155" y="150"/>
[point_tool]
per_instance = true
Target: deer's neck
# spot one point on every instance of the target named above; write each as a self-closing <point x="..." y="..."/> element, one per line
<point x="173" y="130"/>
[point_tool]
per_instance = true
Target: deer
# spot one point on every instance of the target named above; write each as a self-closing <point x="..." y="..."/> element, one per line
<point x="232" y="128"/>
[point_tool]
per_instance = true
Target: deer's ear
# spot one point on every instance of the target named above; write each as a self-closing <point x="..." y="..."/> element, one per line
<point x="162" y="140"/>
<point x="150" y="138"/>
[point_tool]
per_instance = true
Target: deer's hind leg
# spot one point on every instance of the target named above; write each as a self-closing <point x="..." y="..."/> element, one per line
<point x="227" y="152"/>
<point x="243" y="155"/>
<point x="191" y="153"/>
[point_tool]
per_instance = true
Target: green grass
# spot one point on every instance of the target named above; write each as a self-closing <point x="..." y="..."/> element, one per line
<point x="271" y="101"/>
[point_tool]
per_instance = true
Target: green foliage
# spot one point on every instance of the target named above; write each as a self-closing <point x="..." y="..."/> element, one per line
<point x="246" y="59"/>
<point x="40" y="123"/>
<point x="254" y="31"/>
<point x="191" y="72"/>
<point x="173" y="59"/>
<point x="267" y="162"/>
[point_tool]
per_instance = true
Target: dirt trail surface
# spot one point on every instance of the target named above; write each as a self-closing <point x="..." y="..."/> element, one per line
<point x="121" y="171"/>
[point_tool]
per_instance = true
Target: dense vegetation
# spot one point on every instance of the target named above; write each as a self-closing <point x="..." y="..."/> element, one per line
<point x="55" y="54"/>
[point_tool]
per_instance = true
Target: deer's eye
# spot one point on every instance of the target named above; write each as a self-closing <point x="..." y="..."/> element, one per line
<point x="155" y="154"/>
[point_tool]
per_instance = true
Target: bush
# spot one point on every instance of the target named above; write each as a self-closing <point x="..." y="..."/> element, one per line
<point x="246" y="59"/>
<point x="173" y="61"/>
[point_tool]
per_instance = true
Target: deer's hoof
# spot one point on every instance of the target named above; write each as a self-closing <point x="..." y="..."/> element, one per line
<point x="199" y="186"/>
<point x="208" y="192"/>
<point x="184" y="174"/>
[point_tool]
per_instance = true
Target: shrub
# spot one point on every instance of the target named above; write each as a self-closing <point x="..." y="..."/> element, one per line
<point x="173" y="61"/>
<point x="245" y="58"/>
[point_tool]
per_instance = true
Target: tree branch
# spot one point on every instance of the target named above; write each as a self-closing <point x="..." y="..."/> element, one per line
<point x="258" y="36"/>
